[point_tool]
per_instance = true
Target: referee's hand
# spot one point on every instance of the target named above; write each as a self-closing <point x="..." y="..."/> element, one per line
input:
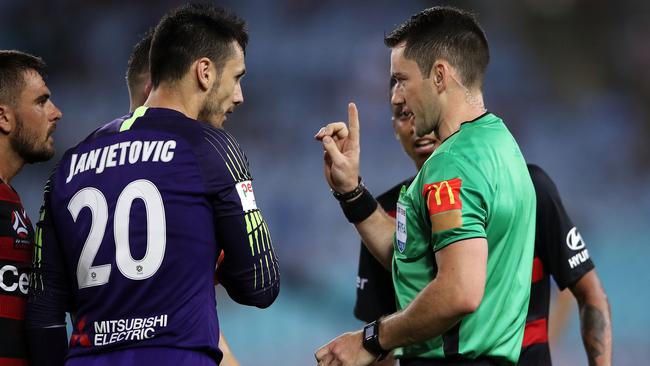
<point x="345" y="350"/>
<point x="342" y="150"/>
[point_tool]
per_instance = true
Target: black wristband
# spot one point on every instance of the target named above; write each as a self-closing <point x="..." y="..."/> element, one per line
<point x="359" y="209"/>
<point x="349" y="195"/>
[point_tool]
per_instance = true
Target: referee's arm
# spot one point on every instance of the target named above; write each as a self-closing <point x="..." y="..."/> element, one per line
<point x="456" y="291"/>
<point x="377" y="232"/>
<point x="342" y="150"/>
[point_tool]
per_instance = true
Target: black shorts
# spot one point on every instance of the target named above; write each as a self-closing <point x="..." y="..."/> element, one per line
<point x="535" y="355"/>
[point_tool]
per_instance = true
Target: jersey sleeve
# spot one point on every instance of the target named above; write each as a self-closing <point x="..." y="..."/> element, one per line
<point x="561" y="247"/>
<point x="454" y="195"/>
<point x="249" y="270"/>
<point x="226" y="173"/>
<point x="49" y="294"/>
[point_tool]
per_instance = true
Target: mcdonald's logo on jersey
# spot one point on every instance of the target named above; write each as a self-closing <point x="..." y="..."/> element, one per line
<point x="443" y="196"/>
<point x="444" y="204"/>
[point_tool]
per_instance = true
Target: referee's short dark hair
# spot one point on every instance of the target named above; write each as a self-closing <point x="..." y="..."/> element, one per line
<point x="13" y="65"/>
<point x="190" y="32"/>
<point x="137" y="68"/>
<point x="448" y="33"/>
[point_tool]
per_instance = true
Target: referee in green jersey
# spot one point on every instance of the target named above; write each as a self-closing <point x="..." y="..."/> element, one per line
<point x="461" y="247"/>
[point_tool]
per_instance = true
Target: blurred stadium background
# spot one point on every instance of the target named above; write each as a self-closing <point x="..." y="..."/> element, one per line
<point x="571" y="78"/>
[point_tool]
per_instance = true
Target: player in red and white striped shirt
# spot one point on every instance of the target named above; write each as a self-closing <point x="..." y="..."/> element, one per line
<point x="27" y="121"/>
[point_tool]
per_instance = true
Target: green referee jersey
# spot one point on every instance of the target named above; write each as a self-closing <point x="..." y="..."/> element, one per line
<point x="475" y="185"/>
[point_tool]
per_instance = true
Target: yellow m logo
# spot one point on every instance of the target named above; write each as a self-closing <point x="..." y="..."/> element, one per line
<point x="437" y="187"/>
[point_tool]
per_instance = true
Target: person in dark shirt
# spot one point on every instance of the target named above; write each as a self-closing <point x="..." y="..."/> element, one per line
<point x="145" y="204"/>
<point x="28" y="118"/>
<point x="560" y="252"/>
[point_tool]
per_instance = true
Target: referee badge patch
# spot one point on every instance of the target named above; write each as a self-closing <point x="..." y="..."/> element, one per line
<point x="444" y="204"/>
<point x="401" y="228"/>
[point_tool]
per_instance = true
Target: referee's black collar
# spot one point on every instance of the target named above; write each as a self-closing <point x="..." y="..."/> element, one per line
<point x="466" y="122"/>
<point x="476" y="119"/>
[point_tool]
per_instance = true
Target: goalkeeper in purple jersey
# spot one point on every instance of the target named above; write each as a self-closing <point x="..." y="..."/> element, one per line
<point x="138" y="80"/>
<point x="145" y="204"/>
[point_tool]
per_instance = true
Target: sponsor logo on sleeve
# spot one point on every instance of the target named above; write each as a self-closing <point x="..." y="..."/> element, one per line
<point x="444" y="204"/>
<point x="574" y="239"/>
<point x="574" y="242"/>
<point x="246" y="195"/>
<point x="401" y="228"/>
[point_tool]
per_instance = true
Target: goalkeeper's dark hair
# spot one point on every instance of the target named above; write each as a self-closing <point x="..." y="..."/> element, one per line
<point x="448" y="33"/>
<point x="13" y="65"/>
<point x="190" y="32"/>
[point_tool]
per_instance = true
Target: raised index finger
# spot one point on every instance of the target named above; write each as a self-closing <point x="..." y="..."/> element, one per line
<point x="353" y="122"/>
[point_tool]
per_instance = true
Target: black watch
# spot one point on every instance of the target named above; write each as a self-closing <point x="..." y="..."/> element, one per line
<point x="371" y="340"/>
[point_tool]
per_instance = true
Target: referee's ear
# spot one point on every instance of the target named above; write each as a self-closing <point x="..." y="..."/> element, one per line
<point x="439" y="72"/>
<point x="7" y="118"/>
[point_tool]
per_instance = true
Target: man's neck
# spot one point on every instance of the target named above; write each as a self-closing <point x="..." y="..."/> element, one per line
<point x="12" y="162"/>
<point x="460" y="112"/>
<point x="172" y="97"/>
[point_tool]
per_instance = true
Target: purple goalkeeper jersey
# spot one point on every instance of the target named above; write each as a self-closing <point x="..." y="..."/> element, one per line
<point x="134" y="219"/>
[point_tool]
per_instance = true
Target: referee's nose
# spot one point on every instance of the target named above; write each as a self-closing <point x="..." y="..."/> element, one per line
<point x="396" y="97"/>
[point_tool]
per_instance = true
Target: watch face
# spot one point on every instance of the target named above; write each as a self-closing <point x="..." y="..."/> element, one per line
<point x="367" y="332"/>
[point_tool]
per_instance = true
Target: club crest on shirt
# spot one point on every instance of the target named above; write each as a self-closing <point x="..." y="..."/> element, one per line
<point x="19" y="222"/>
<point x="444" y="204"/>
<point x="401" y="228"/>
